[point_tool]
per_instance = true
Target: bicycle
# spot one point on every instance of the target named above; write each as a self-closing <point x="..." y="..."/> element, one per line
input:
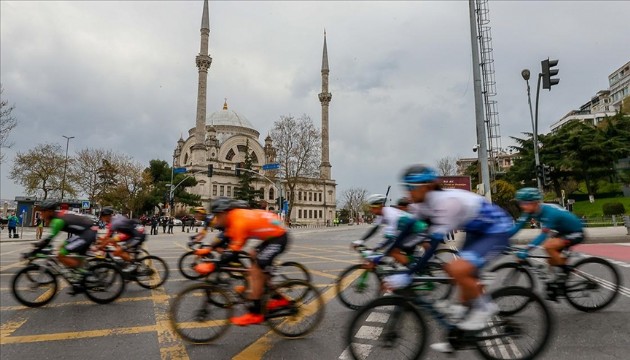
<point x="395" y="327"/>
<point x="201" y="252"/>
<point x="42" y="280"/>
<point x="585" y="279"/>
<point x="201" y="313"/>
<point x="361" y="283"/>
<point x="148" y="271"/>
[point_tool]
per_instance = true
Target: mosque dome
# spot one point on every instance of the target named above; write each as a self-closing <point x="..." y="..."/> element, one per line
<point x="228" y="117"/>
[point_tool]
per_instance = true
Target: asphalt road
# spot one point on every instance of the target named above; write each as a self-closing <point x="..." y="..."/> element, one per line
<point x="136" y="326"/>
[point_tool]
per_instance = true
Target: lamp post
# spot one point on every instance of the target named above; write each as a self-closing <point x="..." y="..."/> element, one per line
<point x="526" y="74"/>
<point x="65" y="165"/>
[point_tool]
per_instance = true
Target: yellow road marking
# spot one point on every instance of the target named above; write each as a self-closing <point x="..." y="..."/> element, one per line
<point x="9" y="327"/>
<point x="76" y="335"/>
<point x="261" y="346"/>
<point x="10" y="252"/>
<point x="128" y="299"/>
<point x="326" y="258"/>
<point x="319" y="273"/>
<point x="11" y="266"/>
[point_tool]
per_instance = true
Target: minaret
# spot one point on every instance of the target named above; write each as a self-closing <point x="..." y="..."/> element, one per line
<point x="324" y="98"/>
<point x="203" y="61"/>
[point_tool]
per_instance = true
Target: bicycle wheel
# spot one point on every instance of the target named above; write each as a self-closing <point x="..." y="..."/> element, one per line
<point x="104" y="284"/>
<point x="387" y="328"/>
<point x="302" y="313"/>
<point x="511" y="274"/>
<point x="34" y="286"/>
<point x="357" y="286"/>
<point x="445" y="255"/>
<point x="187" y="263"/>
<point x="195" y="316"/>
<point x="291" y="270"/>
<point x="152" y="272"/>
<point x="592" y="284"/>
<point x="521" y="335"/>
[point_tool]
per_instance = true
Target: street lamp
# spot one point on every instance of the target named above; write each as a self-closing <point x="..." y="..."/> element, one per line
<point x="65" y="165"/>
<point x="525" y="74"/>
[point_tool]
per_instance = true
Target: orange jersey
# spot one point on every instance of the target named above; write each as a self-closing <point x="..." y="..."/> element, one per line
<point x="243" y="224"/>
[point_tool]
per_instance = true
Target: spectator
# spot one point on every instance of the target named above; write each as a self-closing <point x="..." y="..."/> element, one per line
<point x="39" y="230"/>
<point x="12" y="224"/>
<point x="164" y="223"/>
<point x="154" y="225"/>
<point x="170" y="225"/>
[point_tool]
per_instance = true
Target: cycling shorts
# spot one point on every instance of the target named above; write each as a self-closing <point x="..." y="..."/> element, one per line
<point x="267" y="251"/>
<point x="78" y="244"/>
<point x="480" y="249"/>
<point x="572" y="239"/>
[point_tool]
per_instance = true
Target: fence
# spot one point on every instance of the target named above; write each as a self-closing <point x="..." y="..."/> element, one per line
<point x="600" y="221"/>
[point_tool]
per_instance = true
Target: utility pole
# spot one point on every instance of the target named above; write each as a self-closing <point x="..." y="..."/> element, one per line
<point x="526" y="74"/>
<point x="479" y="113"/>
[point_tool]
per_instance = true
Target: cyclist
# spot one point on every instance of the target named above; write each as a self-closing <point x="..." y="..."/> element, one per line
<point x="81" y="231"/>
<point x="487" y="235"/>
<point x="394" y="220"/>
<point x="560" y="229"/>
<point x="403" y="204"/>
<point x="239" y="225"/>
<point x="121" y="229"/>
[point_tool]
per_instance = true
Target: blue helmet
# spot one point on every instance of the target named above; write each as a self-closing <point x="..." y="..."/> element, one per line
<point x="418" y="174"/>
<point x="528" y="194"/>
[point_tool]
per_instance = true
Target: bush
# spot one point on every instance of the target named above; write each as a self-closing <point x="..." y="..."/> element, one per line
<point x="613" y="208"/>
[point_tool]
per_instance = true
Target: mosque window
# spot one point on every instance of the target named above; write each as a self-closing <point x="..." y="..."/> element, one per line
<point x="320" y="214"/>
<point x="229" y="191"/>
<point x="221" y="190"/>
<point x="254" y="158"/>
<point x="299" y="213"/>
<point x="214" y="190"/>
<point x="310" y="196"/>
<point x="230" y="155"/>
<point x="320" y="197"/>
<point x="186" y="159"/>
<point x="271" y="194"/>
<point x="299" y="196"/>
<point x="241" y="148"/>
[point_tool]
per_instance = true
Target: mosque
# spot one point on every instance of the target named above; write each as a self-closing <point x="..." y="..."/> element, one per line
<point x="220" y="141"/>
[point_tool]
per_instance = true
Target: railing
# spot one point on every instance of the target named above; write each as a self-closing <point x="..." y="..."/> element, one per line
<point x="601" y="221"/>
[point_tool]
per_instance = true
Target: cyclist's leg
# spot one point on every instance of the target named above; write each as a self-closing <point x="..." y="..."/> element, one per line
<point x="399" y="256"/>
<point x="73" y="245"/>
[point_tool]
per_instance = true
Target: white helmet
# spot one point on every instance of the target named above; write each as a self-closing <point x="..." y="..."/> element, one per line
<point x="376" y="199"/>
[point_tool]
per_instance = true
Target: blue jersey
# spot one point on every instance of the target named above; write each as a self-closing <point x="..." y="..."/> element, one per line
<point x="551" y="217"/>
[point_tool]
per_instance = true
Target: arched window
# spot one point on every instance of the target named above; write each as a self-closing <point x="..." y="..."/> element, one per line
<point x="186" y="159"/>
<point x="272" y="194"/>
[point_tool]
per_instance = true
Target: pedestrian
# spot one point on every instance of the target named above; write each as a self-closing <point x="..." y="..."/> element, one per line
<point x="12" y="224"/>
<point x="170" y="225"/>
<point x="164" y="224"/>
<point x="39" y="230"/>
<point x="154" y="225"/>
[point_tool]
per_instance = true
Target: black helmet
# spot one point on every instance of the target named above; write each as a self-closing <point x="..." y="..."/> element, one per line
<point x="220" y="204"/>
<point x="240" y="204"/>
<point x="49" y="205"/>
<point x="107" y="211"/>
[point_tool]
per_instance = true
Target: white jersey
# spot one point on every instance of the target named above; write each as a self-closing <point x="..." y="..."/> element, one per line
<point x="389" y="219"/>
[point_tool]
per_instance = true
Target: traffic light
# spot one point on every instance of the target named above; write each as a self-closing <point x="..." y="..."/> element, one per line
<point x="210" y="168"/>
<point x="546" y="175"/>
<point x="548" y="72"/>
<point x="539" y="172"/>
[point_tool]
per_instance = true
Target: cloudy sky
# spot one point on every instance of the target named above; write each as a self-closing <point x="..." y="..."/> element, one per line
<point x="122" y="75"/>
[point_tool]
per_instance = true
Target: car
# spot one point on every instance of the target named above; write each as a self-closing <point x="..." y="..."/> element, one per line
<point x="177" y="222"/>
<point x="199" y="223"/>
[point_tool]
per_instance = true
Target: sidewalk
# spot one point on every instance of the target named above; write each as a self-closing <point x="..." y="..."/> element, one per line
<point x="617" y="234"/>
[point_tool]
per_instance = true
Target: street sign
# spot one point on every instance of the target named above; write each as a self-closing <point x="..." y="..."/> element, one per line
<point x="85" y="204"/>
<point x="272" y="166"/>
<point x="179" y="170"/>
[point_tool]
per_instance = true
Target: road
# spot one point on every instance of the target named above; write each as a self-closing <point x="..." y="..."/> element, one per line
<point x="136" y="325"/>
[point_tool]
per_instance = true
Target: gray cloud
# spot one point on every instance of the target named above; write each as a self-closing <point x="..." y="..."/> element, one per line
<point x="121" y="75"/>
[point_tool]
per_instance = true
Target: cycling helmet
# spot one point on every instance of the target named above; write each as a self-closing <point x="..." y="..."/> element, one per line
<point x="376" y="200"/>
<point x="240" y="204"/>
<point x="528" y="194"/>
<point x="221" y="204"/>
<point x="49" y="205"/>
<point x="107" y="211"/>
<point x="200" y="210"/>
<point x="403" y="202"/>
<point x="418" y="174"/>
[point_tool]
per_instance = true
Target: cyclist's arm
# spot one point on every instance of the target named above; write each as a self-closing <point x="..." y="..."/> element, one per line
<point x="435" y="240"/>
<point x="522" y="220"/>
<point x="56" y="225"/>
<point x="370" y="233"/>
<point x="539" y="239"/>
<point x="407" y="227"/>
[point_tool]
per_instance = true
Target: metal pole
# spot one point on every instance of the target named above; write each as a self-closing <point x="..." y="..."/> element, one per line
<point x="536" y="155"/>
<point x="481" y="129"/>
<point x="170" y="193"/>
<point x="534" y="124"/>
<point x="65" y="165"/>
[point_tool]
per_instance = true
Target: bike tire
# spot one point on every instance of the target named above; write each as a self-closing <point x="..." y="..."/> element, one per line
<point x="186" y="265"/>
<point x="291" y="270"/>
<point x="302" y="316"/>
<point x="514" y="275"/>
<point x="191" y="306"/>
<point x="435" y="290"/>
<point x="33" y="273"/>
<point x="579" y="276"/>
<point x="106" y="276"/>
<point x="513" y="325"/>
<point x="383" y="323"/>
<point x="445" y="255"/>
<point x="365" y="283"/>
<point x="159" y="272"/>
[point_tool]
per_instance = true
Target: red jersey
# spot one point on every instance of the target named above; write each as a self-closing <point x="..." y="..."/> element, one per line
<point x="243" y="224"/>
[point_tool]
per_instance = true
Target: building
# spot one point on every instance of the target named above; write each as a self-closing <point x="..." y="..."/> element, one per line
<point x="222" y="139"/>
<point x="604" y="104"/>
<point x="504" y="160"/>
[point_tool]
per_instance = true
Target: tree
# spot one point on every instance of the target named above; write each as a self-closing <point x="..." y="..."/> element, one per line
<point x="297" y="142"/>
<point x="245" y="190"/>
<point x="447" y="166"/>
<point x="131" y="188"/>
<point x="159" y="172"/>
<point x="353" y="200"/>
<point x="92" y="172"/>
<point x="503" y="195"/>
<point x="40" y="170"/>
<point x="7" y="123"/>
